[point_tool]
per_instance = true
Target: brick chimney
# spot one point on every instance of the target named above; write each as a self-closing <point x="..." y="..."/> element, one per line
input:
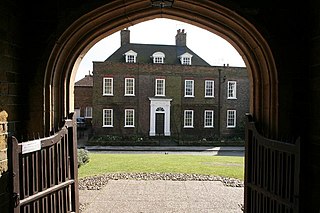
<point x="181" y="38"/>
<point x="125" y="37"/>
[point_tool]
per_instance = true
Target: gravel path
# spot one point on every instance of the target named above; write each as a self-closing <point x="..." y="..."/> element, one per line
<point x="100" y="183"/>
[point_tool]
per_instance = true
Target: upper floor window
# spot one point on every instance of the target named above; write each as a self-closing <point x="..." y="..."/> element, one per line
<point x="189" y="88"/>
<point x="129" y="87"/>
<point x="232" y="89"/>
<point x="209" y="88"/>
<point x="88" y="112"/>
<point x="129" y="118"/>
<point x="208" y="118"/>
<point x="131" y="56"/>
<point x="188" y="119"/>
<point x="231" y="118"/>
<point x="158" y="57"/>
<point x="108" y="86"/>
<point x="160" y="87"/>
<point x="107" y="118"/>
<point x="185" y="58"/>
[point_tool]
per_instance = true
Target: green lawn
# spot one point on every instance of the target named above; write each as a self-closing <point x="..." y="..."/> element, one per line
<point x="192" y="164"/>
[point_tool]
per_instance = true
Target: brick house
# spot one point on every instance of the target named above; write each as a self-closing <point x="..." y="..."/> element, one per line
<point x="167" y="90"/>
<point x="83" y="98"/>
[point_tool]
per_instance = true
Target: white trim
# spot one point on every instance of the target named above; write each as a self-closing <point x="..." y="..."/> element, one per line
<point x="104" y="86"/>
<point x="125" y="118"/>
<point x="185" y="58"/>
<point x="103" y="116"/>
<point x="163" y="89"/>
<point x="184" y="118"/>
<point x="125" y="87"/>
<point x="205" y="89"/>
<point x="233" y="118"/>
<point x="158" y="57"/>
<point x="164" y="103"/>
<point x="234" y="90"/>
<point x="185" y="88"/>
<point x="86" y="110"/>
<point x="131" y="53"/>
<point x="212" y="119"/>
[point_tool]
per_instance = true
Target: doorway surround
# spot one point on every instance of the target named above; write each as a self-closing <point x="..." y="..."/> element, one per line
<point x="160" y="105"/>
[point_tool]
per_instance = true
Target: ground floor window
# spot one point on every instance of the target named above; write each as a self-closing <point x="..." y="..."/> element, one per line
<point x="88" y="112"/>
<point x="231" y="118"/>
<point x="188" y="119"/>
<point x="107" y="118"/>
<point x="208" y="118"/>
<point x="129" y="118"/>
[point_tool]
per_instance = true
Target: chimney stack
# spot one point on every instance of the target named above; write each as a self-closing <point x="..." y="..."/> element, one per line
<point x="125" y="36"/>
<point x="181" y="38"/>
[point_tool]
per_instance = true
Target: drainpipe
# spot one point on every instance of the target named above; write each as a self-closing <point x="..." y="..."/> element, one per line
<point x="219" y="102"/>
<point x="219" y="99"/>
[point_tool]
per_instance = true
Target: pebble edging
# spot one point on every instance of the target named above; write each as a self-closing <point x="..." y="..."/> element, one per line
<point x="97" y="182"/>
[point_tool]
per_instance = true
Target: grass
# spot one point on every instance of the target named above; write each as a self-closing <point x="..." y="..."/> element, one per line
<point x="150" y="163"/>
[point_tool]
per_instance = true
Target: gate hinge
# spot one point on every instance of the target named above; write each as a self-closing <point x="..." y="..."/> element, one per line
<point x="16" y="199"/>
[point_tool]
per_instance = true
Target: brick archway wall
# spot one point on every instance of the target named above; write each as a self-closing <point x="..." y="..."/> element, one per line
<point x="105" y="20"/>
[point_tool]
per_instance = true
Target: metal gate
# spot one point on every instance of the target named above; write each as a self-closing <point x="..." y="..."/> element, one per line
<point x="45" y="172"/>
<point x="271" y="174"/>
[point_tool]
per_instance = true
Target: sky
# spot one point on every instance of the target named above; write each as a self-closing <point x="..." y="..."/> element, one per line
<point x="211" y="47"/>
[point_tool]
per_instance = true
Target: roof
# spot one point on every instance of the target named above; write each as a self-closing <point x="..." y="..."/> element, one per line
<point x="145" y="52"/>
<point x="87" y="81"/>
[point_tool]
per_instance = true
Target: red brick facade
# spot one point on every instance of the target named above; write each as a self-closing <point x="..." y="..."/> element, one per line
<point x="145" y="76"/>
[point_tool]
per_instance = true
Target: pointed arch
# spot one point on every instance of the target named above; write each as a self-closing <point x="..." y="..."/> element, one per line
<point x="105" y="20"/>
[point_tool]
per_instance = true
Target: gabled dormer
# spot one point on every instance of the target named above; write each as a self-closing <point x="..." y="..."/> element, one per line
<point x="131" y="56"/>
<point x="158" y="57"/>
<point x="185" y="58"/>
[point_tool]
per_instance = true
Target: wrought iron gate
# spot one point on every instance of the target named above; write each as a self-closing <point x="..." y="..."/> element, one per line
<point x="44" y="173"/>
<point x="271" y="174"/>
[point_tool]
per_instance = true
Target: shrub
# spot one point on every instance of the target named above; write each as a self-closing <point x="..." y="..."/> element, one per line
<point x="83" y="157"/>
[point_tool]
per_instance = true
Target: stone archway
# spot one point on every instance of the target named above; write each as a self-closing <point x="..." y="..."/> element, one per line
<point x="105" y="20"/>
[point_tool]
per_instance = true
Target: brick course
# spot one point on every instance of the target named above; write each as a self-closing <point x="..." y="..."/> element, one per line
<point x="175" y="76"/>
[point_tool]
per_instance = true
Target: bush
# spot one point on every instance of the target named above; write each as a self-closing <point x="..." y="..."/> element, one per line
<point x="83" y="157"/>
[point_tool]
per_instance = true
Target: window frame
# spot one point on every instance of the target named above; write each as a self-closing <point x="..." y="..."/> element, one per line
<point x="233" y="119"/>
<point x="126" y="87"/>
<point x="185" y="119"/>
<point x="104" y="118"/>
<point x="163" y="89"/>
<point x="186" y="60"/>
<point x="206" y="89"/>
<point x="104" y="93"/>
<point x="185" y="88"/>
<point x="86" y="110"/>
<point x="126" y="121"/>
<point x="211" y="118"/>
<point x="232" y="92"/>
<point x="158" y="60"/>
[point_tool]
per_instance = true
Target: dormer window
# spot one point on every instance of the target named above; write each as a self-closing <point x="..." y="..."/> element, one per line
<point x="131" y="56"/>
<point x="158" y="57"/>
<point x="185" y="59"/>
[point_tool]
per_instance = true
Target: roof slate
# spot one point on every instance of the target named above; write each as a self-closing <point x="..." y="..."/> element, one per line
<point x="145" y="51"/>
<point x="87" y="81"/>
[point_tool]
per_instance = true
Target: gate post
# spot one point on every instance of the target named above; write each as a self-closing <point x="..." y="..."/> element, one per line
<point x="4" y="177"/>
<point x="72" y="134"/>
